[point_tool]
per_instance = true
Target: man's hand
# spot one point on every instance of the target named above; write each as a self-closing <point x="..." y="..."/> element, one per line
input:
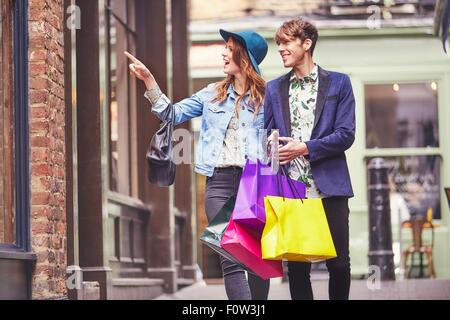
<point x="291" y="150"/>
<point x="140" y="71"/>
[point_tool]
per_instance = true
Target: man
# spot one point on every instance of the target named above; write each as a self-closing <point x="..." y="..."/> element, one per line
<point x="314" y="111"/>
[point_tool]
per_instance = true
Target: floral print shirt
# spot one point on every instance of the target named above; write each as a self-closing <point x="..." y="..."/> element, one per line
<point x="302" y="104"/>
<point x="230" y="154"/>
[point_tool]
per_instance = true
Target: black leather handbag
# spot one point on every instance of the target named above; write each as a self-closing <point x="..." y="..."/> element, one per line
<point x="161" y="167"/>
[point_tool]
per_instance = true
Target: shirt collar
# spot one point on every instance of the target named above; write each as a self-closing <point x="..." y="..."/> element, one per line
<point x="231" y="92"/>
<point x="311" y="77"/>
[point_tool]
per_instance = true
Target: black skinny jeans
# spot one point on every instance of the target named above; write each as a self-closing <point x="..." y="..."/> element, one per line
<point x="219" y="188"/>
<point x="337" y="212"/>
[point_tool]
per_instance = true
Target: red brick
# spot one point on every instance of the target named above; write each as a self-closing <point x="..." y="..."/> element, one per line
<point x="40" y="227"/>
<point x="38" y="83"/>
<point x="40" y="198"/>
<point x="39" y="141"/>
<point x="39" y="212"/>
<point x="40" y="169"/>
<point x="43" y="268"/>
<point x="39" y="127"/>
<point x="38" y="96"/>
<point x="37" y="4"/>
<point x="38" y="55"/>
<point x="37" y="40"/>
<point x="47" y="141"/>
<point x="39" y="155"/>
<point x="56" y="242"/>
<point x="37" y="69"/>
<point x="39" y="183"/>
<point x="35" y="14"/>
<point x="61" y="227"/>
<point x="38" y="111"/>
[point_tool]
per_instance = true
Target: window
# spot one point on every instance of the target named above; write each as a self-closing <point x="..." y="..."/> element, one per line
<point x="402" y="128"/>
<point x="14" y="129"/>
<point x="120" y="38"/>
<point x="415" y="186"/>
<point x="7" y="217"/>
<point x="401" y="115"/>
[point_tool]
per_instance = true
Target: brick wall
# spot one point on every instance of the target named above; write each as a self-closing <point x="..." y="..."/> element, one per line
<point x="48" y="209"/>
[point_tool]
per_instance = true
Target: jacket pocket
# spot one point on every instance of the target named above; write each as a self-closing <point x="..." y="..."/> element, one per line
<point x="214" y="108"/>
<point x="215" y="116"/>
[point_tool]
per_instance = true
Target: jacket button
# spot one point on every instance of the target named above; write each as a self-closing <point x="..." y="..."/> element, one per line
<point x="243" y="124"/>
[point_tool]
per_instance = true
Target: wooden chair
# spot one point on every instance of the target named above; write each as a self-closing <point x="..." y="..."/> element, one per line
<point x="417" y="227"/>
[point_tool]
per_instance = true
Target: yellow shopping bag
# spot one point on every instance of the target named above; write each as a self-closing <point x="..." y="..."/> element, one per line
<point x="296" y="230"/>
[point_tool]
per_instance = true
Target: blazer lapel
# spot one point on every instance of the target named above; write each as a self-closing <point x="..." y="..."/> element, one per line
<point x="324" y="83"/>
<point x="285" y="110"/>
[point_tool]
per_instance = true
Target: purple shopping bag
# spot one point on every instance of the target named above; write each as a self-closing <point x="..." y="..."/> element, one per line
<point x="258" y="181"/>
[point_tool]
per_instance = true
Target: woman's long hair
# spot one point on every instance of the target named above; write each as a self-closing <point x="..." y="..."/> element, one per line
<point x="253" y="81"/>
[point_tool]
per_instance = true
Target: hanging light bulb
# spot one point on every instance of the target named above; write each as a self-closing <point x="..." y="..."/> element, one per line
<point x="396" y="87"/>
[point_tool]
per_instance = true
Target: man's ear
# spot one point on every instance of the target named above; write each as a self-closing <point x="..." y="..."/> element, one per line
<point x="307" y="44"/>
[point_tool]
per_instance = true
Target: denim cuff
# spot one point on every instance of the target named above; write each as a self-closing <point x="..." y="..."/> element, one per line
<point x="154" y="94"/>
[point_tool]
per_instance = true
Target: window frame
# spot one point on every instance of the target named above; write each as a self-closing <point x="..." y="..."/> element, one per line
<point x="123" y="16"/>
<point x="7" y="102"/>
<point x="21" y="248"/>
<point x="401" y="84"/>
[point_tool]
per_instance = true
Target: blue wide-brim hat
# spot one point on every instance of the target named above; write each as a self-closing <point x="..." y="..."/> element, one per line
<point x="254" y="44"/>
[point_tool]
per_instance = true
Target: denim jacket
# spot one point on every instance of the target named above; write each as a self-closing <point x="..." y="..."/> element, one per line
<point x="215" y="120"/>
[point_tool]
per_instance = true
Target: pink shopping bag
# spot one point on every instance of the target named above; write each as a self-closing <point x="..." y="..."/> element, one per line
<point x="244" y="244"/>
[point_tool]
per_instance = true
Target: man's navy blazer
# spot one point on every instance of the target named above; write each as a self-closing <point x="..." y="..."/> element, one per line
<point x="333" y="131"/>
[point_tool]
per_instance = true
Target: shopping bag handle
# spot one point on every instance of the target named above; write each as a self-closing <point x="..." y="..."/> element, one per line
<point x="274" y="159"/>
<point x="290" y="183"/>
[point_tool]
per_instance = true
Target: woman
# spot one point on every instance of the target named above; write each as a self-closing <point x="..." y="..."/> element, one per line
<point x="230" y="110"/>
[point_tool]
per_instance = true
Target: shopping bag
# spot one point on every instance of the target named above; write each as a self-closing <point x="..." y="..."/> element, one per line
<point x="257" y="181"/>
<point x="215" y="230"/>
<point x="296" y="230"/>
<point x="244" y="244"/>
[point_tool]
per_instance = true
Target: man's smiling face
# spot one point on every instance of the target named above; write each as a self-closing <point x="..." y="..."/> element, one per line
<point x="292" y="51"/>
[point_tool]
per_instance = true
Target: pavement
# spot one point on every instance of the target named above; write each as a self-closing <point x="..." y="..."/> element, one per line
<point x="412" y="289"/>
